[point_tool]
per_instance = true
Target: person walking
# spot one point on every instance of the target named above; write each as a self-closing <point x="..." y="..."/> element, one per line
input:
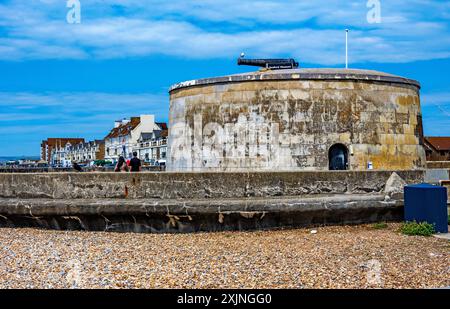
<point x="135" y="163"/>
<point x="76" y="167"/>
<point x="121" y="165"/>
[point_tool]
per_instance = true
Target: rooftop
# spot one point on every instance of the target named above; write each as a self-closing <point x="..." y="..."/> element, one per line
<point x="125" y="128"/>
<point x="162" y="125"/>
<point x="439" y="142"/>
<point x="301" y="74"/>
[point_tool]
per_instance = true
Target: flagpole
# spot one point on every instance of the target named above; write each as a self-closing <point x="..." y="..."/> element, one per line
<point x="346" y="48"/>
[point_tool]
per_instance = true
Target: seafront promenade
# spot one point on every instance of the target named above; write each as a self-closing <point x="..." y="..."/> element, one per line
<point x="6" y="169"/>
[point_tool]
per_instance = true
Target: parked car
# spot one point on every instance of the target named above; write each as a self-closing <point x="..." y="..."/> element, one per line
<point x="160" y="163"/>
<point x="150" y="162"/>
<point x="109" y="166"/>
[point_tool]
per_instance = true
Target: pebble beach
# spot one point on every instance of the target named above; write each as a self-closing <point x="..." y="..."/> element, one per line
<point x="330" y="257"/>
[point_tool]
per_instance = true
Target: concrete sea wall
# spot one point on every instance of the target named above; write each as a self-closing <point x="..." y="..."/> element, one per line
<point x="194" y="185"/>
<point x="189" y="202"/>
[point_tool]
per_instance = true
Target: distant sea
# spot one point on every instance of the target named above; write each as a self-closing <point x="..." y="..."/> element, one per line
<point x="5" y="159"/>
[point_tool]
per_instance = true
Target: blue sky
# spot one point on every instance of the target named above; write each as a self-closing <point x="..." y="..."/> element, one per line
<point x="61" y="79"/>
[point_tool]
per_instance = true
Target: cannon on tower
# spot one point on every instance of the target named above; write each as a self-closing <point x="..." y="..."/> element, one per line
<point x="272" y="64"/>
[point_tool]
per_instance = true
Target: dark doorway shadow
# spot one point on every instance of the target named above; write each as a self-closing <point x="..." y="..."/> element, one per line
<point x="338" y="157"/>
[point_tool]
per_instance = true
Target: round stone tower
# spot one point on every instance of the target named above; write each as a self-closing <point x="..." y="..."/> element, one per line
<point x="300" y="119"/>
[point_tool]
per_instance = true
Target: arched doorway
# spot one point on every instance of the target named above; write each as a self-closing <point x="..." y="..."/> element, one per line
<point x="338" y="157"/>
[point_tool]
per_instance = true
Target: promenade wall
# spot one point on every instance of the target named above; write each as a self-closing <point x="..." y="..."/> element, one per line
<point x="190" y="202"/>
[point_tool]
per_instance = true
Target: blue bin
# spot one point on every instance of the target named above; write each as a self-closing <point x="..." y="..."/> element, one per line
<point x="427" y="203"/>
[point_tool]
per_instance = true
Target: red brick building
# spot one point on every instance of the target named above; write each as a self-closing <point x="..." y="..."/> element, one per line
<point x="437" y="148"/>
<point x="50" y="143"/>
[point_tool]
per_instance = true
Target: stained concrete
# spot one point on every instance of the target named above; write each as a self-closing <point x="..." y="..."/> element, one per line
<point x="434" y="176"/>
<point x="302" y="74"/>
<point x="443" y="236"/>
<point x="289" y="119"/>
<point x="195" y="185"/>
<point x="195" y="215"/>
<point x="191" y="202"/>
<point x="438" y="164"/>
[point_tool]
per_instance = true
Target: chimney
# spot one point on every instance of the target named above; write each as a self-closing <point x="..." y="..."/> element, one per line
<point x="147" y="123"/>
<point x="148" y="118"/>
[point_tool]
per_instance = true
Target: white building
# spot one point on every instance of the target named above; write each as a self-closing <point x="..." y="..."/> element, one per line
<point x="59" y="156"/>
<point x="83" y="152"/>
<point x="86" y="152"/>
<point x="122" y="140"/>
<point x="152" y="147"/>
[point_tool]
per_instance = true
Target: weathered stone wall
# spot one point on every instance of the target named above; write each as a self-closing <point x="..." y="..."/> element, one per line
<point x="194" y="185"/>
<point x="190" y="202"/>
<point x="291" y="124"/>
<point x="438" y="164"/>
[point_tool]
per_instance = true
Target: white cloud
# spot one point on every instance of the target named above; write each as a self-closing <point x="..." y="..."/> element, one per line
<point x="436" y="108"/>
<point x="309" y="30"/>
<point x="436" y="98"/>
<point x="96" y="100"/>
<point x="27" y="118"/>
<point x="90" y="113"/>
<point x="436" y="113"/>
